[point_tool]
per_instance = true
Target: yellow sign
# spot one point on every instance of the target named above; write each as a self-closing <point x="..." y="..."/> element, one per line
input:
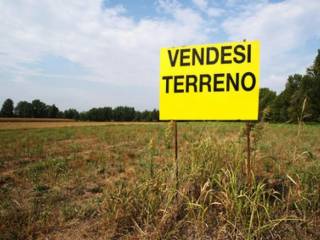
<point x="210" y="82"/>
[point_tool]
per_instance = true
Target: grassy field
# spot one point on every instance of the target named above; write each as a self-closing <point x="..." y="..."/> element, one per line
<point x="52" y="124"/>
<point x="116" y="181"/>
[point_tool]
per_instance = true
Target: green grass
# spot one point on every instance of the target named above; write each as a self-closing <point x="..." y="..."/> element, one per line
<point x="117" y="182"/>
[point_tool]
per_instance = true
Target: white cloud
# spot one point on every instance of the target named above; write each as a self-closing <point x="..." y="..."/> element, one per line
<point x="208" y="9"/>
<point x="215" y="12"/>
<point x="109" y="43"/>
<point x="202" y="4"/>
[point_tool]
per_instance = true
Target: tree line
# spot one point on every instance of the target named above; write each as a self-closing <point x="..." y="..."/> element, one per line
<point x="299" y="101"/>
<point x="39" y="109"/>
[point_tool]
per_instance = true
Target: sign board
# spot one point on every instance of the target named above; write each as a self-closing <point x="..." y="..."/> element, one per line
<point x="210" y="82"/>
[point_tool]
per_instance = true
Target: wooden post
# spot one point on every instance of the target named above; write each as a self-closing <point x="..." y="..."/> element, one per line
<point x="175" y="133"/>
<point x="249" y="170"/>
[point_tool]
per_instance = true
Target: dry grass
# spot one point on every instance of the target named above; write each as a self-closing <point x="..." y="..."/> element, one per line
<point x="115" y="181"/>
<point x="35" y="120"/>
<point x="57" y="124"/>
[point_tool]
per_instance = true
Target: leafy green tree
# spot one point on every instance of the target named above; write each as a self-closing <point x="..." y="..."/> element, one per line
<point x="146" y="116"/>
<point x="304" y="100"/>
<point x="286" y="105"/>
<point x="39" y="109"/>
<point x="266" y="99"/>
<point x="83" y="116"/>
<point x="53" y="111"/>
<point x="71" y="114"/>
<point x="7" y="108"/>
<point x="305" y="94"/>
<point x="108" y="113"/>
<point x="300" y="99"/>
<point x="155" y="115"/>
<point x="314" y="70"/>
<point x="129" y="113"/>
<point x="279" y="112"/>
<point x="312" y="90"/>
<point x="60" y="114"/>
<point x="99" y="114"/>
<point x="295" y="95"/>
<point x="23" y="109"/>
<point x="137" y="116"/>
<point x="123" y="113"/>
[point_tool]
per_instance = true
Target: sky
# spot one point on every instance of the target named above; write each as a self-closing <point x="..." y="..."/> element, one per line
<point x="90" y="53"/>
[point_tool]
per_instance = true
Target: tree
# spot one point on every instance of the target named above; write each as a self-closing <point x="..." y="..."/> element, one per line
<point x="123" y="113"/>
<point x="266" y="99"/>
<point x="279" y="107"/>
<point x="96" y="114"/>
<point x="137" y="116"/>
<point x="129" y="113"/>
<point x="39" y="109"/>
<point x="83" y="116"/>
<point x="314" y="70"/>
<point x="303" y="104"/>
<point x="107" y="111"/>
<point x="295" y="96"/>
<point x="53" y="111"/>
<point x="71" y="114"/>
<point x="312" y="89"/>
<point x="300" y="99"/>
<point x="60" y="114"/>
<point x="305" y="94"/>
<point x="155" y="115"/>
<point x="23" y="109"/>
<point x="286" y="105"/>
<point x="146" y="116"/>
<point x="7" y="108"/>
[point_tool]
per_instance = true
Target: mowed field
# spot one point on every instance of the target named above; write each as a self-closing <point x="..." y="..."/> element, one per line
<point x="117" y="181"/>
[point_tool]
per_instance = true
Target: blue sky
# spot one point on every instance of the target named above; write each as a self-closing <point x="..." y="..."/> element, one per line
<point x="83" y="54"/>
